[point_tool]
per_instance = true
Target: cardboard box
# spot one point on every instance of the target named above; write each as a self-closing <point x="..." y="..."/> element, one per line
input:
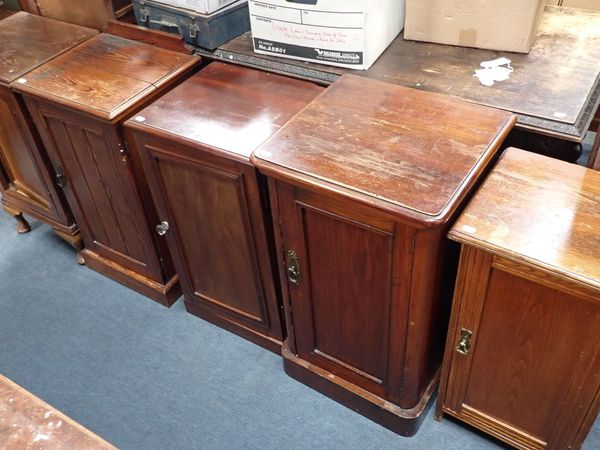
<point x="200" y="6"/>
<point x="344" y="33"/>
<point x="582" y="4"/>
<point x="509" y="25"/>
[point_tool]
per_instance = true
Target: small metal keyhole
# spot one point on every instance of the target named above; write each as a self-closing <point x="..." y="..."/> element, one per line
<point x="162" y="228"/>
<point x="464" y="344"/>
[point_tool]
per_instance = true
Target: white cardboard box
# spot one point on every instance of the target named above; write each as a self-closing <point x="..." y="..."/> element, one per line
<point x="200" y="6"/>
<point x="344" y="33"/>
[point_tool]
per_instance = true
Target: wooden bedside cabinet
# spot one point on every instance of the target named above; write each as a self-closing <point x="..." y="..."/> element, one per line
<point x="78" y="102"/>
<point x="522" y="359"/>
<point x="364" y="182"/>
<point x="26" y="175"/>
<point x="195" y="144"/>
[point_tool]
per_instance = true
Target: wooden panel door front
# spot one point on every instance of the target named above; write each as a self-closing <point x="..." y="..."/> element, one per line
<point x="28" y="182"/>
<point x="100" y="187"/>
<point x="531" y="373"/>
<point x="217" y="237"/>
<point x="349" y="292"/>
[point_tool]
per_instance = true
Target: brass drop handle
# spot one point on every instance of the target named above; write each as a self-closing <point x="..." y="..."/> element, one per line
<point x="162" y="228"/>
<point x="293" y="268"/>
<point x="464" y="344"/>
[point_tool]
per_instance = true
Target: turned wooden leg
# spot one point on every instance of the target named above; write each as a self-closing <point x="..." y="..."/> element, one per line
<point x="80" y="259"/>
<point x="75" y="241"/>
<point x="22" y="224"/>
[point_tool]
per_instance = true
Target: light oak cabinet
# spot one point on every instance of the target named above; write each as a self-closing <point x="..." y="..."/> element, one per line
<point x="194" y="144"/>
<point x="522" y="360"/>
<point x="364" y="182"/>
<point x="78" y="102"/>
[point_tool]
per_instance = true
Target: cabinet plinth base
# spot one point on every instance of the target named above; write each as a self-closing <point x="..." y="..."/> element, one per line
<point x="165" y="294"/>
<point x="404" y="422"/>
<point x="252" y="335"/>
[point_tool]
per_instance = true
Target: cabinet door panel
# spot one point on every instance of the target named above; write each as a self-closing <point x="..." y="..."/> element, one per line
<point x="26" y="170"/>
<point x="349" y="267"/>
<point x="208" y="208"/>
<point x="20" y="163"/>
<point x="533" y="357"/>
<point x="101" y="190"/>
<point x="344" y="304"/>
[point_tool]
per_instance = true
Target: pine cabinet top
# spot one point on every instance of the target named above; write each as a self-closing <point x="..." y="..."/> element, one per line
<point x="28" y="41"/>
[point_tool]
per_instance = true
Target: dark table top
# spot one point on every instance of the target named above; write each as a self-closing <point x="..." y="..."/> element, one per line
<point x="554" y="90"/>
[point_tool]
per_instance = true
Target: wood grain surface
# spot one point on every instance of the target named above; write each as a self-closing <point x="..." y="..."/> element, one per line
<point x="531" y="375"/>
<point x="29" y="41"/>
<point x="227" y="107"/>
<point x="555" y="89"/>
<point x="26" y="422"/>
<point x="194" y="144"/>
<point x="539" y="210"/>
<point x="413" y="151"/>
<point x="30" y="185"/>
<point x="89" y="13"/>
<point x="105" y="76"/>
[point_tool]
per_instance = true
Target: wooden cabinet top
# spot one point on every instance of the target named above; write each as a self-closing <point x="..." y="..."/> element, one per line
<point x="539" y="211"/>
<point x="27" y="41"/>
<point x="105" y="76"/>
<point x="227" y="107"/>
<point x="409" y="152"/>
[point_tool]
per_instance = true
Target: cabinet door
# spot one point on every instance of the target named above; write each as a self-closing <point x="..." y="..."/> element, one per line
<point x="216" y="233"/>
<point x="532" y="369"/>
<point x="100" y="187"/>
<point x="28" y="177"/>
<point x="350" y="292"/>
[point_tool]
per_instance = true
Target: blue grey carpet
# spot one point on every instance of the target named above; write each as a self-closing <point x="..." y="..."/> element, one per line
<point x="146" y="377"/>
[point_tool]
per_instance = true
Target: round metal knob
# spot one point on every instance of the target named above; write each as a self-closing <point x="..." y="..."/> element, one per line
<point x="162" y="228"/>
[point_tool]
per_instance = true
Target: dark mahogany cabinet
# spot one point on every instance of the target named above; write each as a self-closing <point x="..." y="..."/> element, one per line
<point x="78" y="102"/>
<point x="194" y="144"/>
<point x="26" y="175"/>
<point x="364" y="182"/>
<point x="522" y="360"/>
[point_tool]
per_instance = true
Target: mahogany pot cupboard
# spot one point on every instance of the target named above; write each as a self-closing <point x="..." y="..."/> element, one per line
<point x="522" y="358"/>
<point x="195" y="144"/>
<point x="26" y="175"/>
<point x="78" y="102"/>
<point x="364" y="183"/>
